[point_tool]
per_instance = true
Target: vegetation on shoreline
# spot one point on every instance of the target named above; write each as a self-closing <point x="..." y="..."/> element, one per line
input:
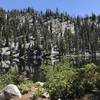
<point x="61" y="81"/>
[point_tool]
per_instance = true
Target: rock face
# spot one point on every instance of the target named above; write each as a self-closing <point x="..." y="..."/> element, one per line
<point x="13" y="90"/>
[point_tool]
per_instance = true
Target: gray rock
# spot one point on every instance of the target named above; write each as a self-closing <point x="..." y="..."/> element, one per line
<point x="40" y="83"/>
<point x="12" y="90"/>
<point x="46" y="95"/>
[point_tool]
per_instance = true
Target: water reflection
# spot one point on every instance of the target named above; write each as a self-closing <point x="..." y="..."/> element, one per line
<point x="79" y="61"/>
<point x="31" y="58"/>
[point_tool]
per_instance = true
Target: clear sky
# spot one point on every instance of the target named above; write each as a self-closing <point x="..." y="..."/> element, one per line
<point x="72" y="7"/>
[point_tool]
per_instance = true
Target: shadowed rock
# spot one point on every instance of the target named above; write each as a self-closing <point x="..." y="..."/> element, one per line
<point x="10" y="91"/>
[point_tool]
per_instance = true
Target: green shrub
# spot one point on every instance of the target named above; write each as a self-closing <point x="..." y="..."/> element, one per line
<point x="59" y="79"/>
<point x="65" y="81"/>
<point x="98" y="77"/>
<point x="39" y="90"/>
<point x="98" y="81"/>
<point x="87" y="77"/>
<point x="8" y="78"/>
<point x="86" y="80"/>
<point x="25" y="86"/>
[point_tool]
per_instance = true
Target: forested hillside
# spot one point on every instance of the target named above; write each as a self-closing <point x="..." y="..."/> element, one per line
<point x="60" y="50"/>
<point x="24" y="31"/>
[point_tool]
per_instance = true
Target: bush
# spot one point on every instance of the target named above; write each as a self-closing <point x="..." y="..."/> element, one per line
<point x="64" y="81"/>
<point x="87" y="79"/>
<point x="25" y="86"/>
<point x="59" y="80"/>
<point x="8" y="78"/>
<point x="98" y="78"/>
<point x="98" y="81"/>
<point x="88" y="76"/>
<point x="38" y="91"/>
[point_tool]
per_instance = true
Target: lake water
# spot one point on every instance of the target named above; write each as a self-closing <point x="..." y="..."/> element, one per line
<point x="31" y="61"/>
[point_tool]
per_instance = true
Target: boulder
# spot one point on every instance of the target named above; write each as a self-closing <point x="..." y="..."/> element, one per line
<point x="46" y="95"/>
<point x="12" y="89"/>
<point x="40" y="83"/>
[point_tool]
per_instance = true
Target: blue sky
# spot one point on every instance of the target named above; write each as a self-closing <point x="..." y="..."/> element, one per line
<point x="72" y="7"/>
